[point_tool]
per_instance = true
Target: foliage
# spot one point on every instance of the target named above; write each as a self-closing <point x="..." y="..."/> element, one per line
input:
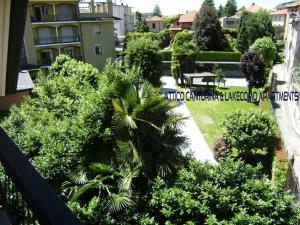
<point x="141" y="24"/>
<point x="66" y="112"/>
<point x="220" y="11"/>
<point x="221" y="149"/>
<point x="232" y="32"/>
<point x="230" y="8"/>
<point x="209" y="35"/>
<point x="267" y="49"/>
<point x="220" y="76"/>
<point x="143" y="53"/>
<point x="280" y="51"/>
<point x="254" y="26"/>
<point x="169" y="20"/>
<point x="219" y="56"/>
<point x="250" y="132"/>
<point x="209" y="3"/>
<point x="183" y="55"/>
<point x="142" y="109"/>
<point x="163" y="37"/>
<point x="156" y="11"/>
<point x="227" y="193"/>
<point x="253" y="68"/>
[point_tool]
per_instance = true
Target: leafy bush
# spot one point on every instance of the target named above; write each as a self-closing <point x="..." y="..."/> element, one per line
<point x="143" y="53"/>
<point x="67" y="111"/>
<point x="227" y="193"/>
<point x="232" y="32"/>
<point x="218" y="56"/>
<point x="221" y="149"/>
<point x="249" y="131"/>
<point x="267" y="49"/>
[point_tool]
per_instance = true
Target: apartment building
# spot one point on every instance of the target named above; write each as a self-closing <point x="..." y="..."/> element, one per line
<point x="184" y="22"/>
<point x="83" y="30"/>
<point x="156" y="24"/>
<point x="126" y="24"/>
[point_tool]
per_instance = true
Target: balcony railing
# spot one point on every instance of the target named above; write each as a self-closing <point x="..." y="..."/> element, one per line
<point x="55" y="40"/>
<point x="54" y="18"/>
<point x="24" y="195"/>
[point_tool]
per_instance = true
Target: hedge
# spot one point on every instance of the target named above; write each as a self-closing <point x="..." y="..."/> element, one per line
<point x="207" y="56"/>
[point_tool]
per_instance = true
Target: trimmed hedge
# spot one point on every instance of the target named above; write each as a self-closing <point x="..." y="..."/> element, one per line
<point x="207" y="56"/>
<point x="232" y="32"/>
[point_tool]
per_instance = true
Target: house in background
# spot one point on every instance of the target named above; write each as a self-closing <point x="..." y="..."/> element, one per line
<point x="279" y="21"/>
<point x="14" y="85"/>
<point x="84" y="31"/>
<point x="184" y="22"/>
<point x="155" y="24"/>
<point x="126" y="24"/>
<point x="232" y="22"/>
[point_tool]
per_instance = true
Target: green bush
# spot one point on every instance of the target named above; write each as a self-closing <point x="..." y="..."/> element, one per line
<point x="230" y="192"/>
<point x="267" y="49"/>
<point x="218" y="56"/>
<point x="166" y="55"/>
<point x="250" y="131"/>
<point x="232" y="32"/>
<point x="143" y="53"/>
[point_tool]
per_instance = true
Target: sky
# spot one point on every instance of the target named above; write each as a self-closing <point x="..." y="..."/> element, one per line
<point x="173" y="7"/>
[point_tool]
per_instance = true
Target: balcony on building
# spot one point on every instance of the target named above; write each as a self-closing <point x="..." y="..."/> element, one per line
<point x="95" y="10"/>
<point x="56" y="35"/>
<point x="43" y="13"/>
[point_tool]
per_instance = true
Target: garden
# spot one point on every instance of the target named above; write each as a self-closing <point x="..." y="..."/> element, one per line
<point x="111" y="145"/>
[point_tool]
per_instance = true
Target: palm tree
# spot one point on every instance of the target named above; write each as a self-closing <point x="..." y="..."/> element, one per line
<point x="113" y="186"/>
<point x="147" y="131"/>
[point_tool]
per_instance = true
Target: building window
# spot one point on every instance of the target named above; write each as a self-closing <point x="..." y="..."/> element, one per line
<point x="153" y="25"/>
<point x="97" y="30"/>
<point x="99" y="49"/>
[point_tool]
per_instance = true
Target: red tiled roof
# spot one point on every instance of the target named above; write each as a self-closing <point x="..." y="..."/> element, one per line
<point x="188" y="18"/>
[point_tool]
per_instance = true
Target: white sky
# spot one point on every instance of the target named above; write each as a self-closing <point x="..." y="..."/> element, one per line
<point x="172" y="7"/>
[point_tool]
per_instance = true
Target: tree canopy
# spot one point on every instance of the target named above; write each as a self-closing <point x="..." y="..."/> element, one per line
<point x="157" y="11"/>
<point x="210" y="3"/>
<point x="267" y="48"/>
<point x="254" y="26"/>
<point x="141" y="25"/>
<point x="209" y="35"/>
<point x="230" y="8"/>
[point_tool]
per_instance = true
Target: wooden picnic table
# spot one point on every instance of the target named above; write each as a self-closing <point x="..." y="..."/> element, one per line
<point x="189" y="77"/>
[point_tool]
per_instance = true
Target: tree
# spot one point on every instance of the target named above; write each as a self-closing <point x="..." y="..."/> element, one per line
<point x="146" y="131"/>
<point x="156" y="11"/>
<point x="267" y="48"/>
<point x="183" y="55"/>
<point x="143" y="53"/>
<point x="221" y="12"/>
<point x="209" y="35"/>
<point x="169" y="20"/>
<point x="209" y="3"/>
<point x="253" y="67"/>
<point x="250" y="132"/>
<point x="141" y="24"/>
<point x="230" y="192"/>
<point x="230" y="8"/>
<point x="254" y="26"/>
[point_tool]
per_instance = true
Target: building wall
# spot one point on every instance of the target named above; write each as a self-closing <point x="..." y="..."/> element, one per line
<point x="4" y="36"/>
<point x="90" y="40"/>
<point x="12" y="99"/>
<point x="159" y="25"/>
<point x="126" y="24"/>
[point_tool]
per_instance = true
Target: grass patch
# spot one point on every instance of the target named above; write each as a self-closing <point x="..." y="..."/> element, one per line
<point x="209" y="115"/>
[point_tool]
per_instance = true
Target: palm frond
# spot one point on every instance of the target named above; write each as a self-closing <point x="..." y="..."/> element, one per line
<point x="118" y="202"/>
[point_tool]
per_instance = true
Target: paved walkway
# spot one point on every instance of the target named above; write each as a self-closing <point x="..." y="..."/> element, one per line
<point x="196" y="141"/>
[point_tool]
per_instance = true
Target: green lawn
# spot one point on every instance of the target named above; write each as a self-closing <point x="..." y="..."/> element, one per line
<point x="209" y="115"/>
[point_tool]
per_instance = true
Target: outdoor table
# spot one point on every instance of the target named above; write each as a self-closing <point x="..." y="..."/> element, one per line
<point x="189" y="77"/>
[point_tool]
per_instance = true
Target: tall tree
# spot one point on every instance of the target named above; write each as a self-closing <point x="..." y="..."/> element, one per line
<point x="254" y="26"/>
<point x="141" y="25"/>
<point x="221" y="11"/>
<point x="209" y="35"/>
<point x="230" y="8"/>
<point x="209" y="3"/>
<point x="156" y="11"/>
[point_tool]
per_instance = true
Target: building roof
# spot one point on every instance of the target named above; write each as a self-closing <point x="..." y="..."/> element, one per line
<point x="283" y="5"/>
<point x="155" y="19"/>
<point x="293" y="4"/>
<point x="188" y="18"/>
<point x="254" y="8"/>
<point x="279" y="12"/>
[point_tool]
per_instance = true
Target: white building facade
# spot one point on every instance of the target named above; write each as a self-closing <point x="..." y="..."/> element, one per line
<point x="126" y="24"/>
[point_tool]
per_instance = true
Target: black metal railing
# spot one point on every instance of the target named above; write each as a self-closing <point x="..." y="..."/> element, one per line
<point x="25" y="196"/>
<point x="54" y="18"/>
<point x="66" y="17"/>
<point x="68" y="39"/>
<point x="43" y="18"/>
<point x="55" y="40"/>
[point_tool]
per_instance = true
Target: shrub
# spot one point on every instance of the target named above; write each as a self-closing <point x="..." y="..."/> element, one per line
<point x="267" y="49"/>
<point x="143" y="53"/>
<point x="218" y="56"/>
<point x="227" y="193"/>
<point x="221" y="149"/>
<point x="166" y="55"/>
<point x="232" y="32"/>
<point x="249" y="131"/>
